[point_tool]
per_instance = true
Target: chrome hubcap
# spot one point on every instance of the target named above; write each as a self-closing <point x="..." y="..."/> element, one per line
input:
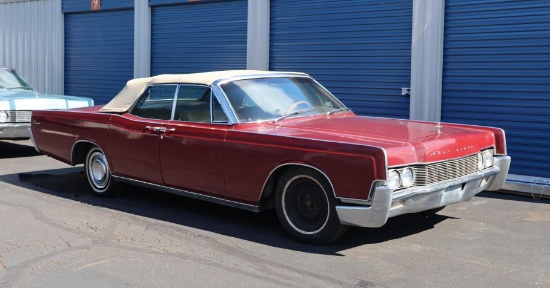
<point x="99" y="171"/>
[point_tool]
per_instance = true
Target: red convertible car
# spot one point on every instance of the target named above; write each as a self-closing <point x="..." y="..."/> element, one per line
<point x="260" y="140"/>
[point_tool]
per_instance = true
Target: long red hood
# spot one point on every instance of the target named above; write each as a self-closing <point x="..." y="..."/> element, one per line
<point x="405" y="141"/>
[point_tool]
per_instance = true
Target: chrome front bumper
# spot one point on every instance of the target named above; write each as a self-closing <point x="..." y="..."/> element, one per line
<point x="386" y="203"/>
<point x="14" y="130"/>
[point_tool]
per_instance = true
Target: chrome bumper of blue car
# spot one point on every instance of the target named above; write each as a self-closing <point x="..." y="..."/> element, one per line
<point x="386" y="203"/>
<point x="14" y="130"/>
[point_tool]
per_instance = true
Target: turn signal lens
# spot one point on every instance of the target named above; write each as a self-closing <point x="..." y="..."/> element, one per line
<point x="487" y="158"/>
<point x="480" y="161"/>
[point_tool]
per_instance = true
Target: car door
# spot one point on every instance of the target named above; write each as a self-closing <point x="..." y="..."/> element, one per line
<point x="191" y="149"/>
<point x="135" y="136"/>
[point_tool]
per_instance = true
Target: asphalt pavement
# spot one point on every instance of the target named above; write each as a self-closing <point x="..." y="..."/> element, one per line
<point x="54" y="233"/>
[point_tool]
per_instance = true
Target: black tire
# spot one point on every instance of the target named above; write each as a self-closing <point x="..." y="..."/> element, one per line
<point x="98" y="173"/>
<point x="305" y="207"/>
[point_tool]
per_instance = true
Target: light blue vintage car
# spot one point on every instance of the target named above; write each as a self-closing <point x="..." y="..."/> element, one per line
<point x="18" y="99"/>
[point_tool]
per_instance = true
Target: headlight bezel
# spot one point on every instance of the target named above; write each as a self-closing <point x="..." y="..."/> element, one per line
<point x="394" y="179"/>
<point x="4" y="117"/>
<point x="410" y="179"/>
<point x="396" y="176"/>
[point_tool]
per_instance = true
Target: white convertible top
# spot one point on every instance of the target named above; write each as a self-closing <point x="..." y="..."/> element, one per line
<point x="135" y="87"/>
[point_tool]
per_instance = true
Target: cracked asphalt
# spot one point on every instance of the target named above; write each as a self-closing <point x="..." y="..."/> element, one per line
<point x="54" y="233"/>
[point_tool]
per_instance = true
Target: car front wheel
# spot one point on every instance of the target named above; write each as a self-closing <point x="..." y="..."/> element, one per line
<point x="98" y="173"/>
<point x="306" y="207"/>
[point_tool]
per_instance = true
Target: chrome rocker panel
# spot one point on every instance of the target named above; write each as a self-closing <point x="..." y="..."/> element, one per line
<point x="387" y="204"/>
<point x="213" y="199"/>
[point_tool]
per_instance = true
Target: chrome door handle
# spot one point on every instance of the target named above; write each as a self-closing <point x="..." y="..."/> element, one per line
<point x="155" y="129"/>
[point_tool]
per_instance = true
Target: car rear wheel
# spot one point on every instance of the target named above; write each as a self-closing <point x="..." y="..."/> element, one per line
<point x="98" y="173"/>
<point x="306" y="207"/>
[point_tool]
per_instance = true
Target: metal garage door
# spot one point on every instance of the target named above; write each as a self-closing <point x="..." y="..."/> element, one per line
<point x="99" y="48"/>
<point x="198" y="36"/>
<point x="497" y="73"/>
<point x="360" y="50"/>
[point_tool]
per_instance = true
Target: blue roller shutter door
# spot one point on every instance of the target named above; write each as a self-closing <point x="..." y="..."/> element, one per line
<point x="497" y="73"/>
<point x="99" y="53"/>
<point x="360" y="50"/>
<point x="198" y="36"/>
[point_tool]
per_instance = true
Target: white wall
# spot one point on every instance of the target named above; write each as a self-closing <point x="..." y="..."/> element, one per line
<point x="31" y="41"/>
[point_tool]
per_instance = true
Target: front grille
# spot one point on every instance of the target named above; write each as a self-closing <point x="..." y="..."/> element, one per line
<point x="436" y="172"/>
<point x="19" y="116"/>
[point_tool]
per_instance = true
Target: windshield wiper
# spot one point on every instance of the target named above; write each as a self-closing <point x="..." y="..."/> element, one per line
<point x="298" y="112"/>
<point x="337" y="110"/>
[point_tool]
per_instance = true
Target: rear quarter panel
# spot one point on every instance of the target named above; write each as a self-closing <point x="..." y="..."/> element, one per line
<point x="56" y="132"/>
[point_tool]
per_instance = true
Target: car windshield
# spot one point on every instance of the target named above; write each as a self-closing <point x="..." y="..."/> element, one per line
<point x="276" y="98"/>
<point x="10" y="80"/>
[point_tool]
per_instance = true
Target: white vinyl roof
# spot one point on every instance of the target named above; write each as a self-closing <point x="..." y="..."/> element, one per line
<point x="124" y="100"/>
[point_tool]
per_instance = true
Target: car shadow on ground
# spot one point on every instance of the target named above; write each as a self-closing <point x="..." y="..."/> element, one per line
<point x="264" y="228"/>
<point x="516" y="196"/>
<point x="16" y="149"/>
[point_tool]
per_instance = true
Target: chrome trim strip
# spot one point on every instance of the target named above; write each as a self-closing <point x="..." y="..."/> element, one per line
<point x="216" y="200"/>
<point x="174" y="102"/>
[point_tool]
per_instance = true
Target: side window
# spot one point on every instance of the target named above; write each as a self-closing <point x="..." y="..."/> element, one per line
<point x="193" y="103"/>
<point x="156" y="102"/>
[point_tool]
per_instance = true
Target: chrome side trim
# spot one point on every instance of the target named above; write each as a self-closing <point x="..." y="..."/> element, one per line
<point x="194" y="195"/>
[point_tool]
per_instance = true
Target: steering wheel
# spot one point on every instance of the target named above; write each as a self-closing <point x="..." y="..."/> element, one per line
<point x="295" y="105"/>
